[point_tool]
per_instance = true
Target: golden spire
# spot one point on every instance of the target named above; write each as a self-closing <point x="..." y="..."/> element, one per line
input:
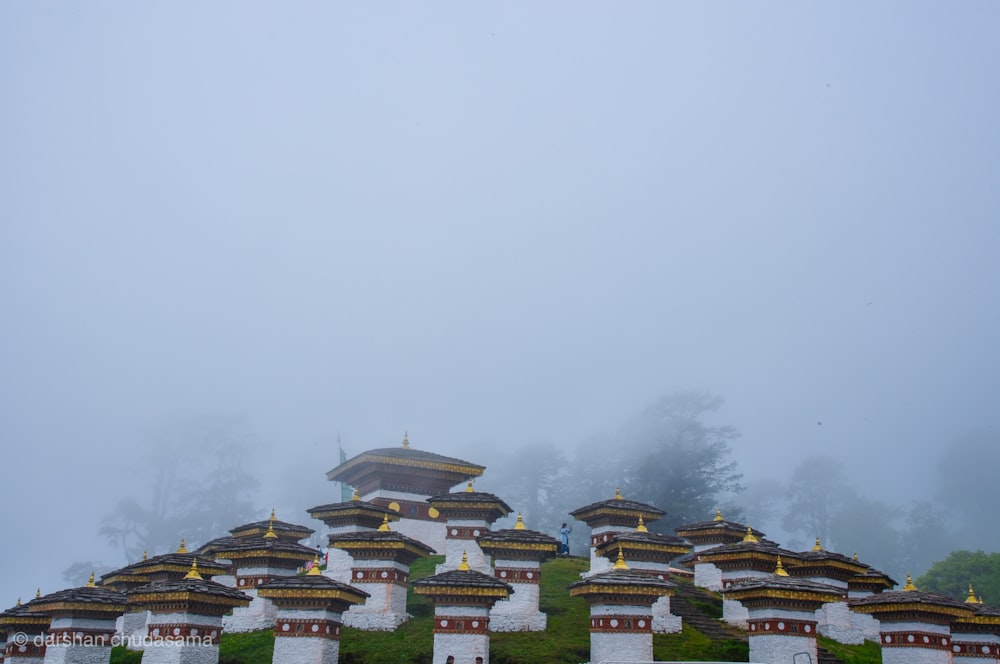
<point x="38" y="593"/>
<point x="468" y="487"/>
<point x="718" y="516"/>
<point x="779" y="570"/>
<point x="971" y="599"/>
<point x="909" y="584"/>
<point x="145" y="556"/>
<point x="406" y="440"/>
<point x="355" y="495"/>
<point x="18" y="602"/>
<point x="182" y="548"/>
<point x="91" y="584"/>
<point x="817" y="546"/>
<point x="270" y="534"/>
<point x="384" y="528"/>
<point x="980" y="600"/>
<point x="193" y="572"/>
<point x="620" y="563"/>
<point x="855" y="556"/>
<point x="464" y="565"/>
<point x="641" y="528"/>
<point x="750" y="537"/>
<point x="618" y="493"/>
<point x="314" y="570"/>
<point x="520" y="522"/>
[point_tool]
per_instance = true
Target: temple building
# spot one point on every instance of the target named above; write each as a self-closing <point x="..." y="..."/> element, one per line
<point x="82" y="624"/>
<point x="782" y="614"/>
<point x="976" y="638"/>
<point x="705" y="535"/>
<point x="257" y="553"/>
<point x="185" y="620"/>
<point x="746" y="560"/>
<point x="33" y="625"/>
<point x="382" y="561"/>
<point x="607" y="518"/>
<point x="621" y="619"/>
<point x="518" y="554"/>
<point x="650" y="553"/>
<point x="462" y="600"/>
<point x="402" y="479"/>
<point x="467" y="515"/>
<point x="353" y="516"/>
<point x="915" y="625"/>
<point x="307" y="627"/>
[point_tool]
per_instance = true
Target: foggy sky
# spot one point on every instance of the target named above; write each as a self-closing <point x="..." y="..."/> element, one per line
<point x="486" y="225"/>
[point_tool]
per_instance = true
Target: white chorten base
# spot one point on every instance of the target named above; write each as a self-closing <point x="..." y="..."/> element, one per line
<point x="620" y="633"/>
<point x="975" y="648"/>
<point x="461" y="632"/>
<point x="519" y="613"/>
<point x="455" y="548"/>
<point x="260" y="614"/>
<point x="65" y="648"/>
<point x="665" y="622"/>
<point x="338" y="565"/>
<point x="306" y="637"/>
<point x="708" y="576"/>
<point x="779" y="648"/>
<point x="916" y="643"/>
<point x="201" y="645"/>
<point x="384" y="610"/>
<point x="839" y="623"/>
<point x="131" y="628"/>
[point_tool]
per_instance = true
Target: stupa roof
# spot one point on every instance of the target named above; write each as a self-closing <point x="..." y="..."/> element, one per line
<point x="210" y="547"/>
<point x="471" y="503"/>
<point x="21" y="614"/>
<point x="784" y="589"/>
<point x="618" y="510"/>
<point x="911" y="602"/>
<point x="93" y="598"/>
<point x="188" y="590"/>
<point x="406" y="457"/>
<point x="624" y="582"/>
<point x="260" y="547"/>
<point x="359" y="512"/>
<point x="462" y="582"/>
<point x="646" y="542"/>
<point x="518" y="542"/>
<point x="314" y="586"/>
<point x="379" y="544"/>
<point x="282" y="529"/>
<point x="871" y="578"/>
<point x="173" y="563"/>
<point x="717" y="530"/>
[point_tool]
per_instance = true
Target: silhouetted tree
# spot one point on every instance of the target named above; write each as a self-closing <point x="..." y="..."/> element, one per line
<point x="817" y="490"/>
<point x="953" y="575"/>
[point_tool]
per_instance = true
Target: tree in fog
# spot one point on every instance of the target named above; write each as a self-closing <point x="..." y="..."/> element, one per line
<point x="198" y="488"/>
<point x="675" y="460"/>
<point x="967" y="489"/>
<point x="953" y="575"/>
<point x="817" y="490"/>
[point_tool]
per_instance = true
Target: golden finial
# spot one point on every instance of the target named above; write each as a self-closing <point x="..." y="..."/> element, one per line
<point x="464" y="565"/>
<point x="384" y="528"/>
<point x="855" y="556"/>
<point x="718" y="516"/>
<point x="182" y="548"/>
<point x="618" y="493"/>
<point x="272" y="518"/>
<point x="980" y="600"/>
<point x="270" y="534"/>
<point x="817" y="546"/>
<point x="520" y="522"/>
<point x="780" y="570"/>
<point x="468" y="487"/>
<point x="406" y="440"/>
<point x="91" y="584"/>
<point x="620" y="563"/>
<point x="314" y="570"/>
<point x="909" y="584"/>
<point x="38" y="593"/>
<point x="18" y="601"/>
<point x="641" y="528"/>
<point x="193" y="572"/>
<point x="145" y="556"/>
<point x="750" y="537"/>
<point x="971" y="599"/>
<point x="355" y="495"/>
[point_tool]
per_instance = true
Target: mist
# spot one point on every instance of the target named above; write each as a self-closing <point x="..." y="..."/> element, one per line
<point x="489" y="227"/>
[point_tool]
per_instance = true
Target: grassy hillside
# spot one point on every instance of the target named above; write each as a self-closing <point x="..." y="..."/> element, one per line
<point x="567" y="639"/>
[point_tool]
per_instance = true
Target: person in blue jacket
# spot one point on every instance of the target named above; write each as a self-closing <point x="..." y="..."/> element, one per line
<point x="564" y="536"/>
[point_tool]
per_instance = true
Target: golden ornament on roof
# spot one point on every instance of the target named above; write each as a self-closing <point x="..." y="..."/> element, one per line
<point x="314" y="570"/>
<point x="464" y="565"/>
<point x="718" y="516"/>
<point x="90" y="582"/>
<point x="641" y="528"/>
<point x="406" y="440"/>
<point x="909" y="584"/>
<point x="971" y="599"/>
<point x="817" y="546"/>
<point x="618" y="493"/>
<point x="620" y="563"/>
<point x="355" y="495"/>
<point x="750" y="537"/>
<point x="384" y="528"/>
<point x="780" y="570"/>
<point x="468" y="487"/>
<point x="193" y="572"/>
<point x="520" y="522"/>
<point x="182" y="548"/>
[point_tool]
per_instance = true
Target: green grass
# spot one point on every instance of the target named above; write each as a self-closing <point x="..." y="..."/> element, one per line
<point x="692" y="645"/>
<point x="250" y="648"/>
<point x="867" y="653"/>
<point x="122" y="655"/>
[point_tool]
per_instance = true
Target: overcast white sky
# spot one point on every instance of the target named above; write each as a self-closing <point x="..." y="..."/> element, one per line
<point x="490" y="224"/>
